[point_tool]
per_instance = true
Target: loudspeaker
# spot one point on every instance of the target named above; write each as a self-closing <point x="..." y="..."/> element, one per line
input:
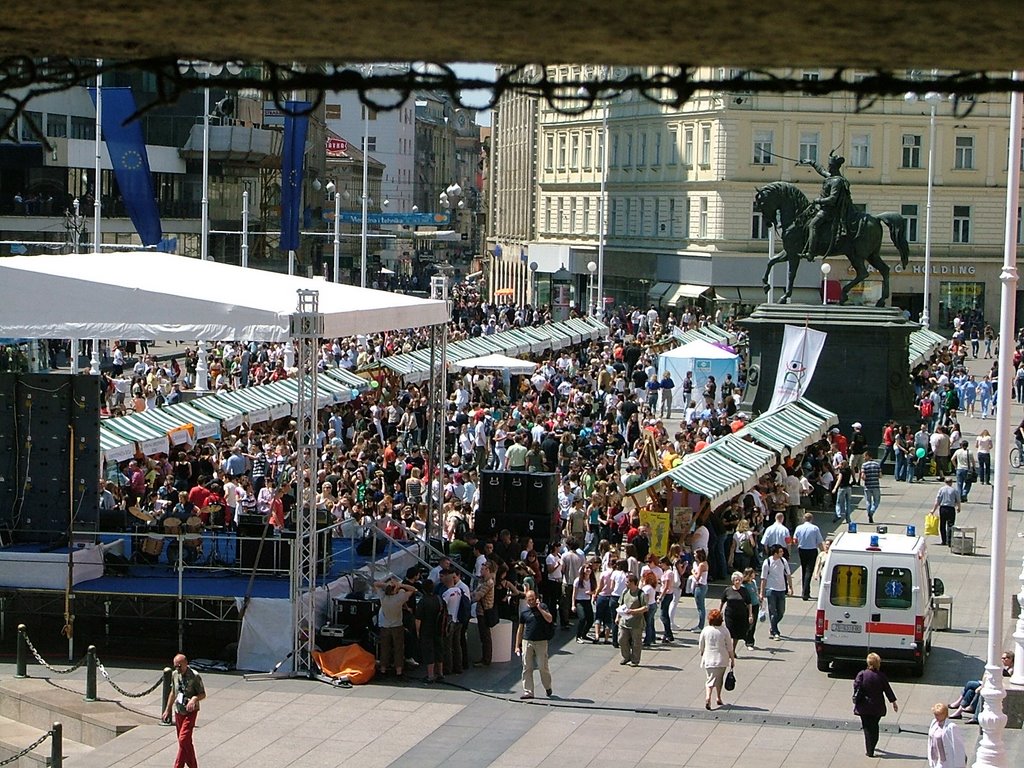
<point x="516" y="492"/>
<point x="541" y="493"/>
<point x="492" y="492"/>
<point x="276" y="552"/>
<point x="48" y="422"/>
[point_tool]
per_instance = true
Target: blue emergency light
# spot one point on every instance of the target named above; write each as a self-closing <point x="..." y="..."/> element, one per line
<point x="911" y="530"/>
<point x="852" y="528"/>
<point x="874" y="542"/>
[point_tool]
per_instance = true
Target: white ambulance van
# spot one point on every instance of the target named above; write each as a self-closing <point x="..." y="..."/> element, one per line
<point x="876" y="595"/>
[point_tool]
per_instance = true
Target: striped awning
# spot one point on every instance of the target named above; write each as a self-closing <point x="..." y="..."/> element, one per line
<point x="725" y="469"/>
<point x="151" y="438"/>
<point x="203" y="424"/>
<point x="712" y="334"/>
<point x="228" y="415"/>
<point x="923" y="344"/>
<point x="114" y="446"/>
<point x="790" y="428"/>
<point x="415" y="366"/>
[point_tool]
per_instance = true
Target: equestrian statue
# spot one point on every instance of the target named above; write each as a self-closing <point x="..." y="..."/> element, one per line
<point x="830" y="224"/>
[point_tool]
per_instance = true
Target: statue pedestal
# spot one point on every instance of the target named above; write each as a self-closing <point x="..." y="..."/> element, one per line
<point x="863" y="373"/>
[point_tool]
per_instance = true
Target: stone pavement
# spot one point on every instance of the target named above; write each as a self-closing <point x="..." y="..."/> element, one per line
<point x="783" y="711"/>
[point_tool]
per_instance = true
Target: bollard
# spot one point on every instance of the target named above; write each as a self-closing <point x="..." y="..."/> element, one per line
<point x="167" y="694"/>
<point x="21" y="667"/>
<point x="90" y="674"/>
<point x="57" y="746"/>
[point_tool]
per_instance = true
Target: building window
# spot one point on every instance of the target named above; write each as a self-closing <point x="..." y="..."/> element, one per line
<point x="572" y="214"/>
<point x="332" y="111"/>
<point x="629" y="150"/>
<point x="702" y="227"/>
<point x="560" y="222"/>
<point x="705" y="145"/>
<point x="963" y="158"/>
<point x="758" y="226"/>
<point x="57" y="126"/>
<point x="763" y="147"/>
<point x="961" y="223"/>
<point x="28" y="120"/>
<point x="627" y="221"/>
<point x="1018" y="225"/>
<point x="860" y="150"/>
<point x="549" y="152"/>
<point x="809" y="141"/>
<point x="673" y="146"/>
<point x="956" y="297"/>
<point x="656" y="222"/>
<point x="547" y="214"/>
<point x="909" y="212"/>
<point x="688" y="221"/>
<point x="602" y="137"/>
<point x="811" y="74"/>
<point x="83" y="128"/>
<point x="574" y="152"/>
<point x="657" y="150"/>
<point x="561" y="150"/>
<point x="671" y="217"/>
<point x="688" y="146"/>
<point x="586" y="214"/>
<point x="641" y="155"/>
<point x="911" y="150"/>
<point x="615" y="151"/>
<point x="371" y="143"/>
<point x="588" y="150"/>
<point x="613" y="217"/>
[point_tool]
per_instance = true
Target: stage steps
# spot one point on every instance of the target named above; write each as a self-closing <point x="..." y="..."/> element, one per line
<point x="30" y="706"/>
<point x="15" y="736"/>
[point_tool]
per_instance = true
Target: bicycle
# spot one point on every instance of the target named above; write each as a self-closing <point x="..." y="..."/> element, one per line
<point x="1015" y="457"/>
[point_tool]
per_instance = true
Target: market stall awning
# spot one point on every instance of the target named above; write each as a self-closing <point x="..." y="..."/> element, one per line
<point x="712" y="334"/>
<point x="152" y="439"/>
<point x="497" y="362"/>
<point x="790" y="428"/>
<point x="114" y="446"/>
<point x="229" y="415"/>
<point x="153" y="295"/>
<point x="726" y="468"/>
<point x="203" y="424"/>
<point x="923" y="344"/>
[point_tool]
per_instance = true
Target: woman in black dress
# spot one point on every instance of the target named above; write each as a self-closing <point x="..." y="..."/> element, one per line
<point x="737" y="608"/>
<point x="870" y="690"/>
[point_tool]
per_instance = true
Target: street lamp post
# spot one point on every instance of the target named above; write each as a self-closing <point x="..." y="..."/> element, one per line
<point x="601" y="212"/>
<point x="451" y="199"/>
<point x="366" y="197"/>
<point x="591" y="300"/>
<point x="825" y="269"/>
<point x="333" y="189"/>
<point x="932" y="99"/>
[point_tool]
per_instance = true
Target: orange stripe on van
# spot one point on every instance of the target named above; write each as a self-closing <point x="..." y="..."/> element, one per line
<point x="885" y="628"/>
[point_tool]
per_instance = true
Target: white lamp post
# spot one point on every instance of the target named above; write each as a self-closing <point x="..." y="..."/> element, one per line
<point x="333" y="189"/>
<point x="825" y="269"/>
<point x="932" y="99"/>
<point x="245" y="226"/>
<point x="591" y="268"/>
<point x="992" y="748"/>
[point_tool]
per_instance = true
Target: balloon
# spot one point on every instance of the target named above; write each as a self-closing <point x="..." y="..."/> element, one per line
<point x="355" y="393"/>
<point x="374" y="384"/>
<point x="699" y="445"/>
<point x="921" y="453"/>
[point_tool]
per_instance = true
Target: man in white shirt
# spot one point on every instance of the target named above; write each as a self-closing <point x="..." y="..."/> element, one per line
<point x="776" y="534"/>
<point x="776" y="583"/>
<point x="809" y="542"/>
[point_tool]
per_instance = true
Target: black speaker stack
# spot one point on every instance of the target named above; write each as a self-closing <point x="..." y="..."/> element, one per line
<point x="276" y="552"/>
<point x="526" y="503"/>
<point x="42" y="477"/>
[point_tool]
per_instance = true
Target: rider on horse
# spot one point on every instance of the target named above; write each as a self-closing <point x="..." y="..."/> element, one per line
<point x="834" y="212"/>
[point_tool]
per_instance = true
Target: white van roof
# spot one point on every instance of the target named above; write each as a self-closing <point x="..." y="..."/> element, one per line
<point x="897" y="542"/>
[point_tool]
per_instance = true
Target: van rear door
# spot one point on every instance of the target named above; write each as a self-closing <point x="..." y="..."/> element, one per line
<point x="848" y="611"/>
<point x="892" y="621"/>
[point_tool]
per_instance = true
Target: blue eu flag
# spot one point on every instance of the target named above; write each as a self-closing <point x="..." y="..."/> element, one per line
<point x="296" y="123"/>
<point x="130" y="161"/>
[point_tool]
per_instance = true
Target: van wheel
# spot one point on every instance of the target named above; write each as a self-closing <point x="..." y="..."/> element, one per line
<point x="824" y="664"/>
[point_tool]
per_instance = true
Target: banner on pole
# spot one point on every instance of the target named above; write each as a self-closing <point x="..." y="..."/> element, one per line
<point x="296" y="123"/>
<point x="130" y="161"/>
<point x="801" y="348"/>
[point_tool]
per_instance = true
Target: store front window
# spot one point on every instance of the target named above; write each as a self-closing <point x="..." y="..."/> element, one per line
<point x="957" y="297"/>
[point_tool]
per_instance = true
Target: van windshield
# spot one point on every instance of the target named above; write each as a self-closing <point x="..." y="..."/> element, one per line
<point x="849" y="586"/>
<point x="894" y="588"/>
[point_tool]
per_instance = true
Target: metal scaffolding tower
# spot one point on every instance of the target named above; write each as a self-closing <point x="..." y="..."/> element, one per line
<point x="306" y="329"/>
<point x="437" y="392"/>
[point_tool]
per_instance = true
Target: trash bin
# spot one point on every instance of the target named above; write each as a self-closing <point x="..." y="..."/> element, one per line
<point x="942" y="619"/>
<point x="963" y="540"/>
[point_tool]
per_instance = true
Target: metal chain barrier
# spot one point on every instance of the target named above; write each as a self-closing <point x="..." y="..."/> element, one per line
<point x="27" y="749"/>
<point x="42" y="661"/>
<point x="121" y="690"/>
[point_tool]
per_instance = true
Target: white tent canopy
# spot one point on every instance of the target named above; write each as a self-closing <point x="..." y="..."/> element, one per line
<point x="513" y="365"/>
<point x="703" y="360"/>
<point x="150" y="295"/>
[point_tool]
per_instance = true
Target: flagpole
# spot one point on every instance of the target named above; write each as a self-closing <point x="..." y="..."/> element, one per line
<point x="97" y="169"/>
<point x="94" y="360"/>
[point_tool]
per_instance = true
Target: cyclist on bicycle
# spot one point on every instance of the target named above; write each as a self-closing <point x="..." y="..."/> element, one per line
<point x="1018" y="438"/>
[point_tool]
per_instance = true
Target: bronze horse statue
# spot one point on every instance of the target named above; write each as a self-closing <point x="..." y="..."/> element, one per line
<point x="782" y="202"/>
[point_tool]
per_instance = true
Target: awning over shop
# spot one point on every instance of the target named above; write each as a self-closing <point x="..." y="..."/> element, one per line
<point x="712" y="334"/>
<point x="152" y="439"/>
<point x="115" y="447"/>
<point x="923" y="344"/>
<point x="673" y="293"/>
<point x="204" y="424"/>
<point x="721" y="471"/>
<point x="415" y="366"/>
<point x="732" y="465"/>
<point x="790" y="428"/>
<point x="228" y="415"/>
